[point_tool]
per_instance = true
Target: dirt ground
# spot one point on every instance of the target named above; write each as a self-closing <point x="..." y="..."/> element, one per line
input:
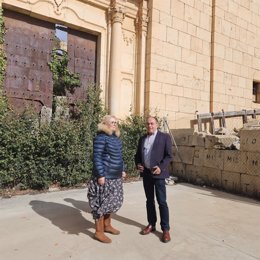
<point x="8" y="193"/>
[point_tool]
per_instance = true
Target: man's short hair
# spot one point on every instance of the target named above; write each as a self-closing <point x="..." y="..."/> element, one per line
<point x="154" y="117"/>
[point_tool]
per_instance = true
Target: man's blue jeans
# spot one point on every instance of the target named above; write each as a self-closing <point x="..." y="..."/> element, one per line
<point x="152" y="187"/>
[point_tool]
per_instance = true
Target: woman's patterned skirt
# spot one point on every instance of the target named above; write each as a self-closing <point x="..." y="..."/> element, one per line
<point x="105" y="199"/>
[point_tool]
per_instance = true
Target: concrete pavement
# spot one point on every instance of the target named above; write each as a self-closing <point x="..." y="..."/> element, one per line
<point x="206" y="224"/>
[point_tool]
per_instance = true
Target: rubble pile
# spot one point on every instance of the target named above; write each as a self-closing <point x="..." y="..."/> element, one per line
<point x="228" y="160"/>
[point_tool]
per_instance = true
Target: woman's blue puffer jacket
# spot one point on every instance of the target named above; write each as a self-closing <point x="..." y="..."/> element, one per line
<point x="107" y="156"/>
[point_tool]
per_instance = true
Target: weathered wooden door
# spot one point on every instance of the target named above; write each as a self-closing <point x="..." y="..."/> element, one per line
<point x="28" y="45"/>
<point x="82" y="51"/>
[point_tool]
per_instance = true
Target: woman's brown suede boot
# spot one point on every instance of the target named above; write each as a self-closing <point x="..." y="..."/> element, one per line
<point x="99" y="234"/>
<point x="107" y="225"/>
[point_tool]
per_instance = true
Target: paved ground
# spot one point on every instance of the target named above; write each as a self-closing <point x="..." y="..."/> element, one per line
<point x="206" y="224"/>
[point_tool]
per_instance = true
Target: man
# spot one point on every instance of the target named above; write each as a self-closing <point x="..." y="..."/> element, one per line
<point x="154" y="153"/>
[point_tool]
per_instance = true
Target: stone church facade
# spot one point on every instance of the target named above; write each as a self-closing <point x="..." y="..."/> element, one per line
<point x="170" y="57"/>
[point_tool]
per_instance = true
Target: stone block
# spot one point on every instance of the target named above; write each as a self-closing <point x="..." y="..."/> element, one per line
<point x="198" y="158"/>
<point x="250" y="140"/>
<point x="231" y="181"/>
<point x="250" y="185"/>
<point x="253" y="163"/>
<point x="212" y="177"/>
<point x="204" y="175"/>
<point x="178" y="169"/>
<point x="252" y="124"/>
<point x="194" y="174"/>
<point x="62" y="108"/>
<point x="185" y="152"/>
<point x="159" y="31"/>
<point x="213" y="158"/>
<point x="197" y="140"/>
<point x="235" y="161"/>
<point x="46" y="115"/>
<point x="181" y="136"/>
<point x="220" y="141"/>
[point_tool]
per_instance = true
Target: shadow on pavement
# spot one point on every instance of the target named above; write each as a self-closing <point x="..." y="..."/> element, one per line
<point x="79" y="204"/>
<point x="67" y="218"/>
<point x="83" y="206"/>
<point x="70" y="220"/>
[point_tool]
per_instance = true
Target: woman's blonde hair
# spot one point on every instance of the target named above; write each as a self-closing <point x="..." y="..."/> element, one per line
<point x="107" y="118"/>
<point x="103" y="125"/>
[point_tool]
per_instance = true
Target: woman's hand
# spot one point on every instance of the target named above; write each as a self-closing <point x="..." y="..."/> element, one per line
<point x="101" y="181"/>
<point x="140" y="167"/>
<point x="123" y="174"/>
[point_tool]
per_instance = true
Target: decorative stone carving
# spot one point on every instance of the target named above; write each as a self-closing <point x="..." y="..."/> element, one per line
<point x="141" y="22"/>
<point x="142" y="18"/>
<point x="116" y="13"/>
<point x="128" y="38"/>
<point x="58" y="4"/>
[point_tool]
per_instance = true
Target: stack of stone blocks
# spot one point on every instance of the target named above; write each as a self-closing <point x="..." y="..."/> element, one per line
<point x="214" y="160"/>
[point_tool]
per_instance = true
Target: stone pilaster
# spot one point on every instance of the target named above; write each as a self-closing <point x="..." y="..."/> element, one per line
<point x="141" y="29"/>
<point x="116" y="14"/>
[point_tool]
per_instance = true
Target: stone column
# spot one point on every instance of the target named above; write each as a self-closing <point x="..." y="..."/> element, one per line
<point x="141" y="28"/>
<point x="117" y="16"/>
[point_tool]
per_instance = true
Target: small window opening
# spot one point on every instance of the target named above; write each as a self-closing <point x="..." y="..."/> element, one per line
<point x="256" y="92"/>
<point x="61" y="37"/>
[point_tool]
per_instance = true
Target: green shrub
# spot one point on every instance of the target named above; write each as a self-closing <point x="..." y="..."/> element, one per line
<point x="16" y="146"/>
<point x="132" y="128"/>
<point x="59" y="153"/>
<point x="2" y="54"/>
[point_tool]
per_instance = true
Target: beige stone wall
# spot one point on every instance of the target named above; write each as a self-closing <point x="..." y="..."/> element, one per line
<point x="178" y="79"/>
<point x="236" y="54"/>
<point x="127" y="90"/>
<point x="171" y="57"/>
<point x="187" y="73"/>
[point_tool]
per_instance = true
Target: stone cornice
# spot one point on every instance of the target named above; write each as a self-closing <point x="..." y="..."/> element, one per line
<point x="104" y="4"/>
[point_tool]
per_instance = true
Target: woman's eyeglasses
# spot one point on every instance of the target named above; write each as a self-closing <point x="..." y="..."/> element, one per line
<point x="113" y="123"/>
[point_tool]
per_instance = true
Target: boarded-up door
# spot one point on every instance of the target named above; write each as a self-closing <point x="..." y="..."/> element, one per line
<point x="28" y="45"/>
<point x="82" y="51"/>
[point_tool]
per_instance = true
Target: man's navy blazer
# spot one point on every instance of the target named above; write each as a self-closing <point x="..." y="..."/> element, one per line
<point x="161" y="154"/>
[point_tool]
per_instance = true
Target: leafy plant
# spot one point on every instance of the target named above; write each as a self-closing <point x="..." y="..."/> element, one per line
<point x="2" y="54"/>
<point x="3" y="103"/>
<point x="132" y="128"/>
<point x="64" y="80"/>
<point x="59" y="153"/>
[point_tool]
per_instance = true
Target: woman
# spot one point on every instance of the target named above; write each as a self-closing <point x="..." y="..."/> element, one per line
<point x="105" y="191"/>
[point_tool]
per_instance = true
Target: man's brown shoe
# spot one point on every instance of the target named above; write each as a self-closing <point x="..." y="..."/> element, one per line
<point x="166" y="236"/>
<point x="148" y="230"/>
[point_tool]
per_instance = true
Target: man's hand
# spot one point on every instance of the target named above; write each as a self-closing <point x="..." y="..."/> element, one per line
<point x="156" y="170"/>
<point x="101" y="181"/>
